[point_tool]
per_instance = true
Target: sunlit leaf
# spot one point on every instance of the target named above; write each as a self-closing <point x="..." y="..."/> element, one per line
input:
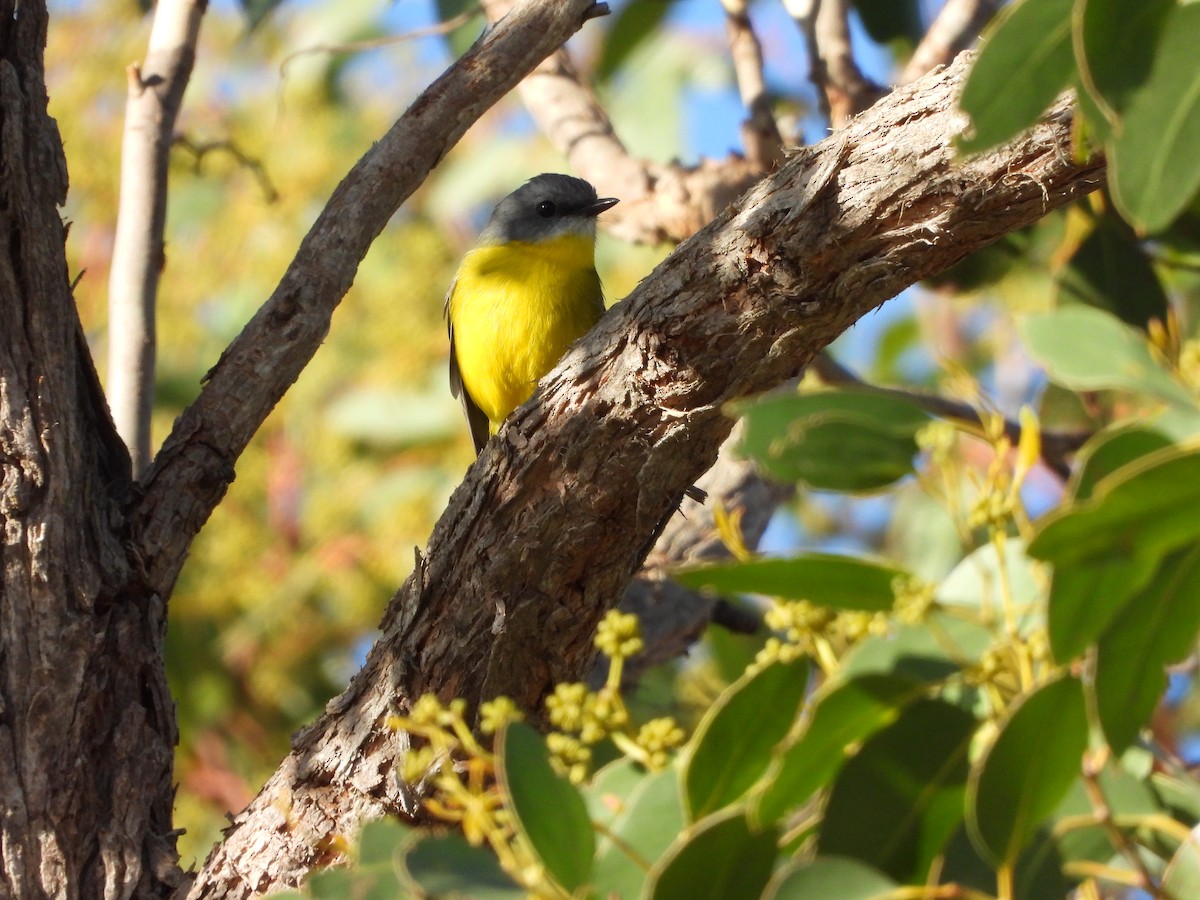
<point x="1154" y="168"/>
<point x="1102" y="353"/>
<point x="841" y="582"/>
<point x="550" y="814"/>
<point x="1025" y="62"/>
<point x="844" y="440"/>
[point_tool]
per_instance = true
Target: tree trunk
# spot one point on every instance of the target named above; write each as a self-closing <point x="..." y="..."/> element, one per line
<point x="87" y="729"/>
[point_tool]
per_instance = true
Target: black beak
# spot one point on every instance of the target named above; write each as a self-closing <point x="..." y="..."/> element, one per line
<point x="597" y="206"/>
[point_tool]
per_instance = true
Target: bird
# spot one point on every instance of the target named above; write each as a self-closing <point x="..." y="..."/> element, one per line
<point x="523" y="294"/>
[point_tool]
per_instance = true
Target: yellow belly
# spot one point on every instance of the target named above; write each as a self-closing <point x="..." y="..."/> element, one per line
<point x="516" y="309"/>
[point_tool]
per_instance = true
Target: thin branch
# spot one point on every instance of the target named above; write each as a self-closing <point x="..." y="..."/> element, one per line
<point x="200" y="150"/>
<point x="563" y="504"/>
<point x="760" y="132"/>
<point x="155" y="95"/>
<point x="842" y="90"/>
<point x="954" y="30"/>
<point x="1057" y="446"/>
<point x="444" y="27"/>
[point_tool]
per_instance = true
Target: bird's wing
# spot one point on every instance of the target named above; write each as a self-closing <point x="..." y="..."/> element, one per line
<point x="477" y="422"/>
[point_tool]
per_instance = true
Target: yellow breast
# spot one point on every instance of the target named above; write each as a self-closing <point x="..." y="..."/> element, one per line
<point x="516" y="308"/>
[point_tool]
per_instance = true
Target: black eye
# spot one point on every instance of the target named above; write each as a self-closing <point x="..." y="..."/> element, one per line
<point x="546" y="209"/>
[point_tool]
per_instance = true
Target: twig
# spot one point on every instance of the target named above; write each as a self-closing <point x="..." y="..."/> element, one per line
<point x="444" y="27"/>
<point x="1057" y="446"/>
<point x="200" y="150"/>
<point x="842" y="89"/>
<point x="155" y="95"/>
<point x="954" y="30"/>
<point x="760" y="132"/>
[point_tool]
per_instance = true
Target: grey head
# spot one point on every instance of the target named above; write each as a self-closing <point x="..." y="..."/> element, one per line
<point x="546" y="206"/>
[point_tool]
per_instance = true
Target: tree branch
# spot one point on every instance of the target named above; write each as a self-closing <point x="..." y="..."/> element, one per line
<point x="195" y="465"/>
<point x="954" y="30"/>
<point x="564" y="503"/>
<point x="842" y="89"/>
<point x="760" y="132"/>
<point x="155" y="95"/>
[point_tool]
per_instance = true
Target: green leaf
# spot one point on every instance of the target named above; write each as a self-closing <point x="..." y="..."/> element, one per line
<point x="549" y="812"/>
<point x="607" y="794"/>
<point x="721" y="857"/>
<point x="840" y="440"/>
<point x="1101" y="352"/>
<point x="1027" y="770"/>
<point x="1108" y="451"/>
<point x="1107" y="547"/>
<point x="733" y="743"/>
<point x="1157" y="628"/>
<point x="847" y="714"/>
<point x="257" y="10"/>
<point x="650" y="819"/>
<point x="826" y="579"/>
<point x="462" y="37"/>
<point x="1154" y="169"/>
<point x="828" y="876"/>
<point x="1117" y="40"/>
<point x="897" y="801"/>
<point x="633" y="24"/>
<point x="1110" y="271"/>
<point x="1025" y="62"/>
<point x="1182" y="877"/>
<point x="889" y="20"/>
<point x="447" y="866"/>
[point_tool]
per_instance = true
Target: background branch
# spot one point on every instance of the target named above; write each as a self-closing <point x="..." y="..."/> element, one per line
<point x="760" y="132"/>
<point x="957" y="25"/>
<point x="155" y="95"/>
<point x="563" y="505"/>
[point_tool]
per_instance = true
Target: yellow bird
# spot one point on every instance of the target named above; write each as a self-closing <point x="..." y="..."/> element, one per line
<point x="524" y="293"/>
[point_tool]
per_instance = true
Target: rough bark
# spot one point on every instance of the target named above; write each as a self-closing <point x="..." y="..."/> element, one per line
<point x="87" y="728"/>
<point x="560" y="509"/>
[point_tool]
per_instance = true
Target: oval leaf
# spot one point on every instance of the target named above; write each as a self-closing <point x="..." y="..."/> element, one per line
<point x="1025" y="62"/>
<point x="722" y="857"/>
<point x="898" y="800"/>
<point x="733" y="744"/>
<point x="826" y="579"/>
<point x="1154" y="169"/>
<point x="548" y="811"/>
<point x="1157" y="628"/>
<point x="846" y="715"/>
<point x="829" y="876"/>
<point x="650" y="819"/>
<point x="1027" y="770"/>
